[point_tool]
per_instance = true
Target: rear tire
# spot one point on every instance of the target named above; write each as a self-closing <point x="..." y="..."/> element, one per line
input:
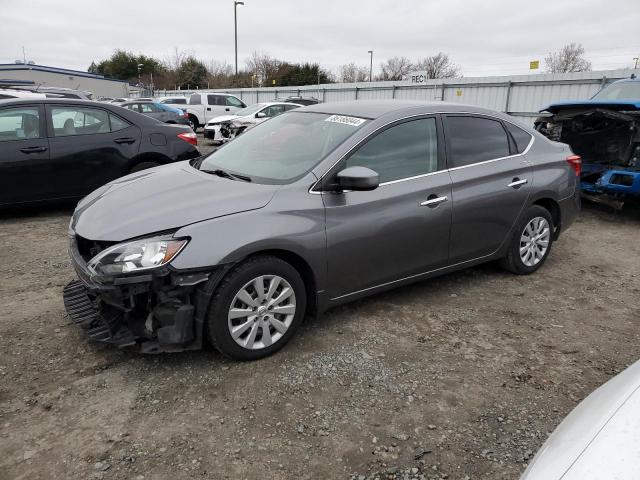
<point x="143" y="166"/>
<point x="531" y="242"/>
<point x="193" y="123"/>
<point x="245" y="323"/>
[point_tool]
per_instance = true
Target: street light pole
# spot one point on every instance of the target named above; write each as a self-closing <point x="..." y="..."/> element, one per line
<point x="370" y="52"/>
<point x="140" y="65"/>
<point x="235" y="28"/>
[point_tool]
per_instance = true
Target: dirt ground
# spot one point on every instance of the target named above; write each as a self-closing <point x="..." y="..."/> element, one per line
<point x="460" y="377"/>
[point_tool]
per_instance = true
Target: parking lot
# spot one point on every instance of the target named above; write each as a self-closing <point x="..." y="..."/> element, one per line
<point x="460" y="377"/>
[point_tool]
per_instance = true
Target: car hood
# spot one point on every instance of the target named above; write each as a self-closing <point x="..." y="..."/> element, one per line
<point x="618" y="105"/>
<point x="222" y="118"/>
<point x="163" y="198"/>
<point x="599" y="439"/>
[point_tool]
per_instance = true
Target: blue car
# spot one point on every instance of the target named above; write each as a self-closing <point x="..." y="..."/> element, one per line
<point x="605" y="132"/>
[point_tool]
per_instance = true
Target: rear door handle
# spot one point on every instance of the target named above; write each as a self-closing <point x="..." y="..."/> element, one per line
<point x="516" y="182"/>
<point x="125" y="140"/>
<point x="433" y="201"/>
<point x="33" y="149"/>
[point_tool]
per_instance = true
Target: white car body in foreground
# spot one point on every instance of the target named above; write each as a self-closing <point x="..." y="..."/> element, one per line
<point x="247" y="117"/>
<point x="599" y="439"/>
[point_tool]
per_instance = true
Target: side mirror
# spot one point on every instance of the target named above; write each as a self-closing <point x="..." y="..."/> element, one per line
<point x="358" y="178"/>
<point x="261" y="115"/>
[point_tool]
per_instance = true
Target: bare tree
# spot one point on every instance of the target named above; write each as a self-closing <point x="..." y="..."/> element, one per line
<point x="350" y="73"/>
<point x="438" y="66"/>
<point x="395" y="68"/>
<point x="263" y="66"/>
<point x="570" y="58"/>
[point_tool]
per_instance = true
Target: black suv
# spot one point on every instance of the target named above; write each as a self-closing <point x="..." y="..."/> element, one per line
<point x="60" y="148"/>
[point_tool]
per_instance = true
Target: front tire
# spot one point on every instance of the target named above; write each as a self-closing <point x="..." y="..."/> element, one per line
<point x="531" y="242"/>
<point x="256" y="309"/>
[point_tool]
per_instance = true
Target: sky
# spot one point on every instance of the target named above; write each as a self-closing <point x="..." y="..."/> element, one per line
<point x="488" y="37"/>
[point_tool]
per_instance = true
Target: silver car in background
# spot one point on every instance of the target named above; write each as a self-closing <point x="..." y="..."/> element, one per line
<point x="319" y="206"/>
<point x="599" y="439"/>
<point x="226" y="127"/>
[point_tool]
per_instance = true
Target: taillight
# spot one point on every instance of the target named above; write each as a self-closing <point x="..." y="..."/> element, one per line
<point x="189" y="137"/>
<point x="576" y="163"/>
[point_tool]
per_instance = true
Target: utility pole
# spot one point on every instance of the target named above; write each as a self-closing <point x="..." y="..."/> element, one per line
<point x="370" y="52"/>
<point x="235" y="28"/>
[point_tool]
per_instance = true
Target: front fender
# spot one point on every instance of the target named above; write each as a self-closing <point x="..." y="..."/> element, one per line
<point x="277" y="226"/>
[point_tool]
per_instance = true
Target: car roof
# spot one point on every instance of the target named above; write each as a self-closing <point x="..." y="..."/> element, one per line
<point x="79" y="101"/>
<point x="377" y="108"/>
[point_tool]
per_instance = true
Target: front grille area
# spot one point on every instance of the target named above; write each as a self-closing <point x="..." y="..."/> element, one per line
<point x="89" y="248"/>
<point x="103" y="324"/>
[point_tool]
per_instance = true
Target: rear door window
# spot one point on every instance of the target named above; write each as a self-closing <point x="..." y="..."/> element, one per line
<point x="405" y="150"/>
<point x="475" y="139"/>
<point x="69" y="121"/>
<point x="215" y="100"/>
<point x="19" y="123"/>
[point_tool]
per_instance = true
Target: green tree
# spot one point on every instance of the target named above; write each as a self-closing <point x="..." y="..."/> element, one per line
<point x="192" y="73"/>
<point x="300" y="74"/>
<point x="123" y="65"/>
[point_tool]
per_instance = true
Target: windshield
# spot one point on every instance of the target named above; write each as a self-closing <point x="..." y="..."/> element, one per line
<point x="283" y="148"/>
<point x="619" y="91"/>
<point x="243" y="112"/>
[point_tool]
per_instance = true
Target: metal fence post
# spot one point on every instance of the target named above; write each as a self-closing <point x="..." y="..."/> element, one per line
<point x="506" y="103"/>
<point x="393" y="92"/>
<point x="324" y="95"/>
<point x="442" y="93"/>
<point x="356" y="93"/>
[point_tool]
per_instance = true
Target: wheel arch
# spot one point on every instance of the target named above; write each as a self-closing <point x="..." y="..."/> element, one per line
<point x="553" y="207"/>
<point x="302" y="267"/>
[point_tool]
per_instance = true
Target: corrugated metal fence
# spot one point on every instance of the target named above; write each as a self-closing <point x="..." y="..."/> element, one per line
<point x="521" y="95"/>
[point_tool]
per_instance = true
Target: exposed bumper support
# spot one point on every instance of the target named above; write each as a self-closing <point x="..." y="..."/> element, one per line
<point x="163" y="311"/>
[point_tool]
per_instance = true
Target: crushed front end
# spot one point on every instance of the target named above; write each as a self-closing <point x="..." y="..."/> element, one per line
<point x="608" y="140"/>
<point x="154" y="310"/>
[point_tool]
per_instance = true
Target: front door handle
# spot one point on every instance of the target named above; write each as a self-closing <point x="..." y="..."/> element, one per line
<point x="33" y="149"/>
<point x="125" y="140"/>
<point x="517" y="183"/>
<point x="433" y="201"/>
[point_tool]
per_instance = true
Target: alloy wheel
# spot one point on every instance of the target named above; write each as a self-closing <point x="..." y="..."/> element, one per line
<point x="261" y="312"/>
<point x="534" y="241"/>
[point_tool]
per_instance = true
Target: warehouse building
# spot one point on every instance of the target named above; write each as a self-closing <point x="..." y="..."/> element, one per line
<point x="99" y="85"/>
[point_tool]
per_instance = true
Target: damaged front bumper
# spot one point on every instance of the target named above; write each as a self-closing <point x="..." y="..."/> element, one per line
<point x="158" y="311"/>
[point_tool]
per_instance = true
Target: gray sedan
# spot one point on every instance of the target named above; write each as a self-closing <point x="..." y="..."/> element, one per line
<point x="316" y="207"/>
<point x="159" y="111"/>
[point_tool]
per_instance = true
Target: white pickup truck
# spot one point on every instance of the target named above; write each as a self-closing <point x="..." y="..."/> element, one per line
<point x="204" y="106"/>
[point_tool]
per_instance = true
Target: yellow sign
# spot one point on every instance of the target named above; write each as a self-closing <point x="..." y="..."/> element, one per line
<point x="458" y="93"/>
<point x="534" y="64"/>
<point x="274" y="82"/>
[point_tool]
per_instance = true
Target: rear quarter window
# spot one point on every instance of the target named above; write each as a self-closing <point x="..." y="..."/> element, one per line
<point x="521" y="138"/>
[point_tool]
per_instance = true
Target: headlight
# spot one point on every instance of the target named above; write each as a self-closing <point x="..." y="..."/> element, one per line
<point x="137" y="255"/>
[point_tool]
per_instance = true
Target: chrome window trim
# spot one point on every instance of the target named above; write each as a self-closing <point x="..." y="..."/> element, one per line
<point x="525" y="151"/>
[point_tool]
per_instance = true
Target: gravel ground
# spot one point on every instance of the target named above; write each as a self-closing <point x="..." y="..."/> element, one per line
<point x="460" y="377"/>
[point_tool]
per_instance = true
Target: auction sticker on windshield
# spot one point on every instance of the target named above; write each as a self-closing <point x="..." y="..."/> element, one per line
<point x="353" y="121"/>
